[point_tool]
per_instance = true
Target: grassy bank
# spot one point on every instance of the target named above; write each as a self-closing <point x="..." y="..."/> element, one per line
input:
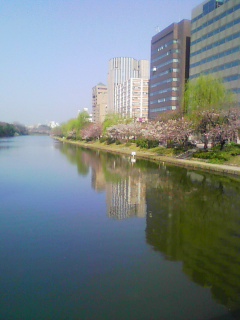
<point x="231" y="166"/>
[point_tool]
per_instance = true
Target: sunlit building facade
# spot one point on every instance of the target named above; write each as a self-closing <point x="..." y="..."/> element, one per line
<point x="215" y="42"/>
<point x="132" y="99"/>
<point x="120" y="70"/>
<point x="99" y="102"/>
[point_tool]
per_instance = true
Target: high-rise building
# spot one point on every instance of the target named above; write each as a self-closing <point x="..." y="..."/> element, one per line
<point x="99" y="102"/>
<point x="215" y="42"/>
<point x="143" y="69"/>
<point x="132" y="99"/>
<point x="119" y="70"/>
<point x="169" y="71"/>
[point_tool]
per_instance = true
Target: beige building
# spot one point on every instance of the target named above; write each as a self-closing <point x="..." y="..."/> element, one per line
<point x="99" y="102"/>
<point x="132" y="99"/>
<point x="215" y="42"/>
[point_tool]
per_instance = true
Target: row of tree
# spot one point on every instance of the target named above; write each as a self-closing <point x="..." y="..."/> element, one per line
<point x="9" y="130"/>
<point x="209" y="112"/>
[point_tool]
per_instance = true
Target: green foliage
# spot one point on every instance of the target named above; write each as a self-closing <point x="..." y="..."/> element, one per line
<point x="112" y="120"/>
<point x="142" y="143"/>
<point x="72" y="129"/>
<point x="118" y="142"/>
<point x="205" y="93"/>
<point x="102" y="139"/>
<point x="9" y="130"/>
<point x="147" y="144"/>
<point x="233" y="149"/>
<point x="213" y="156"/>
<point x="110" y="140"/>
<point x="6" y="130"/>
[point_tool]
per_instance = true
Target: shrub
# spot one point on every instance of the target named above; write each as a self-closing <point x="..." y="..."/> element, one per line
<point x="213" y="156"/>
<point x="118" y="142"/>
<point x="102" y="139"/>
<point x="142" y="143"/>
<point x="110" y="140"/>
<point x="152" y="144"/>
<point x="147" y="144"/>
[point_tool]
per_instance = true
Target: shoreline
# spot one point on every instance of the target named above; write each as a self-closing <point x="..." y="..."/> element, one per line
<point x="192" y="164"/>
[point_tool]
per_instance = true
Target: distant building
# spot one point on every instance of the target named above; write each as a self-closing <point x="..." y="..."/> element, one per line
<point x="53" y="124"/>
<point x="215" y="42"/>
<point x="132" y="99"/>
<point x="169" y="71"/>
<point x="120" y="70"/>
<point x="99" y="102"/>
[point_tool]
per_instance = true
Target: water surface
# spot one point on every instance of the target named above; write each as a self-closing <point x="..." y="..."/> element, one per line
<point x="89" y="235"/>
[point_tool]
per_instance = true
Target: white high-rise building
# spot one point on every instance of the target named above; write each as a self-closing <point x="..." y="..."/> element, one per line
<point x="132" y="99"/>
<point x="120" y="70"/>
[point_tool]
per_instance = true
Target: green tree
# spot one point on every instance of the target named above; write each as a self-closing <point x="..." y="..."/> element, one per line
<point x="72" y="129"/>
<point x="206" y="93"/>
<point x="113" y="119"/>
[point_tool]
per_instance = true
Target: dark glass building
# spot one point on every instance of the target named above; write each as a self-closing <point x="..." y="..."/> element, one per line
<point x="169" y="70"/>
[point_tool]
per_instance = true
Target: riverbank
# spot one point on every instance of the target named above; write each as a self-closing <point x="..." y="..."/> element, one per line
<point x="148" y="155"/>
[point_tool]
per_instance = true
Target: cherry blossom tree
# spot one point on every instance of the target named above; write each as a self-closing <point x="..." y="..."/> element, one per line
<point x="91" y="132"/>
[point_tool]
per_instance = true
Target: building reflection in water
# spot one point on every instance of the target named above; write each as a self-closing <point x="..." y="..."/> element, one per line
<point x="126" y="198"/>
<point x="123" y="183"/>
<point x="191" y="217"/>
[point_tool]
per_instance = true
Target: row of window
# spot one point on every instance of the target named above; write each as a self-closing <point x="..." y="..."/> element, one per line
<point x="161" y="39"/>
<point x="172" y="89"/>
<point x="231" y="78"/>
<point x="165" y="45"/>
<point x="216" y="56"/>
<point x="219" y="30"/>
<point x="170" y="70"/>
<point x="164" y="81"/>
<point x="166" y="54"/>
<point x="225" y="66"/>
<point x="215" y="19"/>
<point x="162" y="109"/>
<point x="164" y="100"/>
<point x="217" y="43"/>
<point x="211" y="5"/>
<point x="237" y="90"/>
<point x="155" y="68"/>
<point x="202" y="14"/>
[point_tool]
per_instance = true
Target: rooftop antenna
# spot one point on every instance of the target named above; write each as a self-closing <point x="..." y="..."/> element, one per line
<point x="157" y="29"/>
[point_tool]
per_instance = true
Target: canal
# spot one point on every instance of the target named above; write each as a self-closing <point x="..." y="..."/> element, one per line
<point x="89" y="235"/>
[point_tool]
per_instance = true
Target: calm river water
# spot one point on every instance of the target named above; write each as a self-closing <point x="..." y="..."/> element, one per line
<point x="88" y="235"/>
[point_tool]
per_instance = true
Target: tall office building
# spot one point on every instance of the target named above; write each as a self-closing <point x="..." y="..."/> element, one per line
<point x="215" y="42"/>
<point x="99" y="102"/>
<point x="132" y="99"/>
<point x="143" y="69"/>
<point x="119" y="70"/>
<point x="169" y="71"/>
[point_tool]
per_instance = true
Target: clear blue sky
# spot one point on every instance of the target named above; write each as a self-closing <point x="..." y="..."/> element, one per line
<point x="54" y="51"/>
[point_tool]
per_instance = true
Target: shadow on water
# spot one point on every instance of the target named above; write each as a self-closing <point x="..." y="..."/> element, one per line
<point x="191" y="217"/>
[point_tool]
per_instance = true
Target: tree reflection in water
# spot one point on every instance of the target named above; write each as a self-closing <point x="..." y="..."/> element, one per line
<point x="192" y="217"/>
